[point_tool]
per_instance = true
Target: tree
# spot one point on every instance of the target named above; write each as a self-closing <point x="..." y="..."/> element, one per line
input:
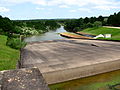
<point x="100" y="18"/>
<point x="89" y="25"/>
<point x="97" y="24"/>
<point x="76" y="29"/>
<point x="86" y="20"/>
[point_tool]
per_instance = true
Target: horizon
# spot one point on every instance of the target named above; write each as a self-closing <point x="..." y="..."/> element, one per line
<point x="57" y="9"/>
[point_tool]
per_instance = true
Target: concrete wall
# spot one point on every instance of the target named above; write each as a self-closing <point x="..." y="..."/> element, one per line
<point x="22" y="79"/>
<point x="85" y="71"/>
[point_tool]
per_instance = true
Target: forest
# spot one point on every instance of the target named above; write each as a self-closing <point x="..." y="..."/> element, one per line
<point x="83" y="23"/>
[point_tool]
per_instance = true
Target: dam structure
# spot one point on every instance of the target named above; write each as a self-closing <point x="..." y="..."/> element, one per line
<point x="69" y="59"/>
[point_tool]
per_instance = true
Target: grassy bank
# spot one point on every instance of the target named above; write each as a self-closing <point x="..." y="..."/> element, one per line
<point x="8" y="56"/>
<point x="104" y="30"/>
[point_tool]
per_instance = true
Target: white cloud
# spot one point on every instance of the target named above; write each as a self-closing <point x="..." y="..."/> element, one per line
<point x="82" y="10"/>
<point x="40" y="2"/>
<point x="85" y="10"/>
<point x="64" y="6"/>
<point x="98" y="4"/>
<point x="12" y="2"/>
<point x="106" y="7"/>
<point x="66" y="2"/>
<point x="3" y="9"/>
<point x="73" y="11"/>
<point x="40" y="8"/>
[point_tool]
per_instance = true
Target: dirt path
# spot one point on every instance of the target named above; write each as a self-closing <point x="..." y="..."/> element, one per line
<point x="112" y="27"/>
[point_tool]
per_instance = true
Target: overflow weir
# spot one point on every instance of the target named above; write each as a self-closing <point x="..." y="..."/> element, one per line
<point x="69" y="59"/>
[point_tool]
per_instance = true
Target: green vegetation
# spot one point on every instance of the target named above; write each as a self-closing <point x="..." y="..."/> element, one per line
<point x="33" y="27"/>
<point x="15" y="43"/>
<point x="103" y="30"/>
<point x="10" y="35"/>
<point x="83" y="23"/>
<point x="8" y="56"/>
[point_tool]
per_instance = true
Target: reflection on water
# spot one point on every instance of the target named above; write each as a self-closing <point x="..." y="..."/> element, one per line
<point x="106" y="81"/>
<point x="51" y="35"/>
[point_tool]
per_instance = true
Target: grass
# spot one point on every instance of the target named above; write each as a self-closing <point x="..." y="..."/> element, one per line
<point x="8" y="56"/>
<point x="104" y="30"/>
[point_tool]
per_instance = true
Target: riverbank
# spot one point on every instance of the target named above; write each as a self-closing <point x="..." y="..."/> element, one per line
<point x="8" y="56"/>
<point x="75" y="36"/>
<point x="115" y="32"/>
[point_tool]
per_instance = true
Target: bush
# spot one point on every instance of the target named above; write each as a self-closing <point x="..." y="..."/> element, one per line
<point x="15" y="43"/>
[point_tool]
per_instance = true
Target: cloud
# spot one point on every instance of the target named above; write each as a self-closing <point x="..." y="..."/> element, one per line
<point x="40" y="8"/>
<point x="82" y="10"/>
<point x="64" y="6"/>
<point x="3" y="9"/>
<point x="63" y="2"/>
<point x="85" y="10"/>
<point x="97" y="4"/>
<point x="73" y="11"/>
<point x="14" y="2"/>
<point x="106" y="7"/>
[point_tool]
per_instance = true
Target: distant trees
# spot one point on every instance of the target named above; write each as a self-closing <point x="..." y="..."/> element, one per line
<point x="114" y="20"/>
<point x="40" y="25"/>
<point x="6" y="25"/>
<point x="82" y="23"/>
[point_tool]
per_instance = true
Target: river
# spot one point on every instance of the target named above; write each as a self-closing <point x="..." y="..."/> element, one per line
<point x="51" y="35"/>
<point x="104" y="81"/>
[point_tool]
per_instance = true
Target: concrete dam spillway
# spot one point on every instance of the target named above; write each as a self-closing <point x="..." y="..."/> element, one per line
<point x="68" y="59"/>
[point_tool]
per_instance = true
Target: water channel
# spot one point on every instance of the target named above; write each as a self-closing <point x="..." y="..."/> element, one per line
<point x="51" y="35"/>
<point x="106" y="81"/>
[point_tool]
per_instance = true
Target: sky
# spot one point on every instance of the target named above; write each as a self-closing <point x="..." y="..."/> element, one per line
<point x="54" y="9"/>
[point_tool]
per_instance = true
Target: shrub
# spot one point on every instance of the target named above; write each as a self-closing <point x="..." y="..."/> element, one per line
<point x="15" y="43"/>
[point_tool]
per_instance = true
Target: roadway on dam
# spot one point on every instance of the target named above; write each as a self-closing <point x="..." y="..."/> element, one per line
<point x="68" y="59"/>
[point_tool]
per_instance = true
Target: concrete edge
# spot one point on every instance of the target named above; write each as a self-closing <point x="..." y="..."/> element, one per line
<point x="80" y="72"/>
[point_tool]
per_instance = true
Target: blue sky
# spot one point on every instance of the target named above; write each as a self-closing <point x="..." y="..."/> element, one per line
<point x="50" y="9"/>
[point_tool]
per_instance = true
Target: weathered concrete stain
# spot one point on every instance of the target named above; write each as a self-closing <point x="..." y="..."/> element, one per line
<point x="63" y="60"/>
<point x="22" y="79"/>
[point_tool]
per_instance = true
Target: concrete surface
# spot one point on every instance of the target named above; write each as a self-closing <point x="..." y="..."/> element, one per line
<point x="63" y="60"/>
<point x="22" y="79"/>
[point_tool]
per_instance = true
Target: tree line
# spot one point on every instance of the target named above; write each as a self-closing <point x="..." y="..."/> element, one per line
<point x="75" y="25"/>
<point x="26" y="27"/>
